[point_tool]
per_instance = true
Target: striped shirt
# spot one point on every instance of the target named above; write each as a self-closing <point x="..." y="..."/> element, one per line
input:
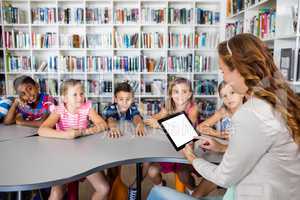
<point x="5" y="104"/>
<point x="68" y="120"/>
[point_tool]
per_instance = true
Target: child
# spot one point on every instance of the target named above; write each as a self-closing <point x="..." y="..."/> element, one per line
<point x="231" y="102"/>
<point x="180" y="98"/>
<point x="31" y="108"/>
<point x="71" y="119"/>
<point x="123" y="109"/>
<point x="5" y="103"/>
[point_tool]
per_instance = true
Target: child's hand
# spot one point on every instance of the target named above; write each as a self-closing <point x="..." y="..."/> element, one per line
<point x="114" y="133"/>
<point x="203" y="129"/>
<point x="72" y="133"/>
<point x="152" y="123"/>
<point x="140" y="130"/>
<point x="225" y="135"/>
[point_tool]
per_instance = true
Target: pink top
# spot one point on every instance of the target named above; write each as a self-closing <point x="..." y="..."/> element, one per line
<point x="68" y="120"/>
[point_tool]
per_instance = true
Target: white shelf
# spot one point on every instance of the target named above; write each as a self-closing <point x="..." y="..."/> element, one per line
<point x="16" y="25"/>
<point x="139" y="27"/>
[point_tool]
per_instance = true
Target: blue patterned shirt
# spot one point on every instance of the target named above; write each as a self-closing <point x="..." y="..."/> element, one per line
<point x="113" y="111"/>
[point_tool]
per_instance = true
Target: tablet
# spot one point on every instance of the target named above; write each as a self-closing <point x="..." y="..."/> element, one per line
<point x="179" y="129"/>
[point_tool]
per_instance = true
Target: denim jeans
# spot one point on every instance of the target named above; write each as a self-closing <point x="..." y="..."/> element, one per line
<point x="165" y="193"/>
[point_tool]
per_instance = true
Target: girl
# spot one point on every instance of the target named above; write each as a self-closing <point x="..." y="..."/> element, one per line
<point x="231" y="102"/>
<point x="180" y="98"/>
<point x="71" y="119"/>
<point x="31" y="108"/>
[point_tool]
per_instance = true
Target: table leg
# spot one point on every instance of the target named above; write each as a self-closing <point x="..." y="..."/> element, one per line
<point x="139" y="177"/>
<point x="19" y="195"/>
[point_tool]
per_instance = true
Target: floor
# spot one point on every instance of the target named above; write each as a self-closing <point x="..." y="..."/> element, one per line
<point x="128" y="177"/>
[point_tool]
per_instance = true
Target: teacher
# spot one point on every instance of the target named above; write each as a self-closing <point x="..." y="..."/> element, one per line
<point x="262" y="159"/>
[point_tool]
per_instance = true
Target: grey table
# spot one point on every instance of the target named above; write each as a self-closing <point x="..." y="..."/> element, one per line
<point x="15" y="132"/>
<point x="37" y="162"/>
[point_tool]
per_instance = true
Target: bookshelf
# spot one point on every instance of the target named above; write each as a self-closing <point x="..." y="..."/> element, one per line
<point x="279" y="29"/>
<point x="103" y="42"/>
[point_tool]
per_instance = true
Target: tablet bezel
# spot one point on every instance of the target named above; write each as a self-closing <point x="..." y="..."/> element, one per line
<point x="160" y="121"/>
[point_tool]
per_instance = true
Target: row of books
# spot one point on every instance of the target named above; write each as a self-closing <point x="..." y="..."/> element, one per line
<point x="20" y="39"/>
<point x="96" y="87"/>
<point x="71" y="41"/>
<point x="149" y="64"/>
<point x="205" y="63"/>
<point x="14" y="15"/>
<point x="287" y="65"/>
<point x="180" y="15"/>
<point x="126" y="15"/>
<point x="1" y="62"/>
<point x="263" y="24"/>
<point x="72" y="63"/>
<point x="206" y="109"/>
<point x="99" y="64"/>
<point x="180" y="63"/>
<point x="152" y="40"/>
<point x="19" y="63"/>
<point x="180" y="40"/>
<point x="71" y="15"/>
<point x="133" y="83"/>
<point x="99" y="40"/>
<point x="153" y="15"/>
<point x="17" y="39"/>
<point x="98" y="15"/>
<point x="126" y="40"/>
<point x="44" y="40"/>
<point x="232" y="29"/>
<point x="205" y="86"/>
<point x="43" y="15"/>
<point x="49" y="65"/>
<point x="2" y="85"/>
<point x="126" y="63"/>
<point x="207" y="16"/>
<point x="153" y="87"/>
<point x="49" y="86"/>
<point x="150" y="107"/>
<point x="207" y="39"/>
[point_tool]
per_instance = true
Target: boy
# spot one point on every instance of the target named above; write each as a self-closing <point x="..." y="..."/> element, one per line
<point x="5" y="104"/>
<point x="123" y="109"/>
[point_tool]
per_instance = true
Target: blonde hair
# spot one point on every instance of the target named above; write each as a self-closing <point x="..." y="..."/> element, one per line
<point x="170" y="104"/>
<point x="251" y="58"/>
<point x="69" y="83"/>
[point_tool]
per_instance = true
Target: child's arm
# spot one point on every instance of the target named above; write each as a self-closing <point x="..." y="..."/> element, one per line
<point x="47" y="129"/>
<point x="138" y="121"/>
<point x="205" y="127"/>
<point x="99" y="123"/>
<point x="10" y="118"/>
<point x="34" y="123"/>
<point x="152" y="122"/>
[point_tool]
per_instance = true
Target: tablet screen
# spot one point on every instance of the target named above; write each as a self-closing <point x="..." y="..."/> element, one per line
<point x="180" y="129"/>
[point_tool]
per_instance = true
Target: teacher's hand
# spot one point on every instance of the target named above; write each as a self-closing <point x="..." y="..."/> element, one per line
<point x="212" y="145"/>
<point x="188" y="152"/>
